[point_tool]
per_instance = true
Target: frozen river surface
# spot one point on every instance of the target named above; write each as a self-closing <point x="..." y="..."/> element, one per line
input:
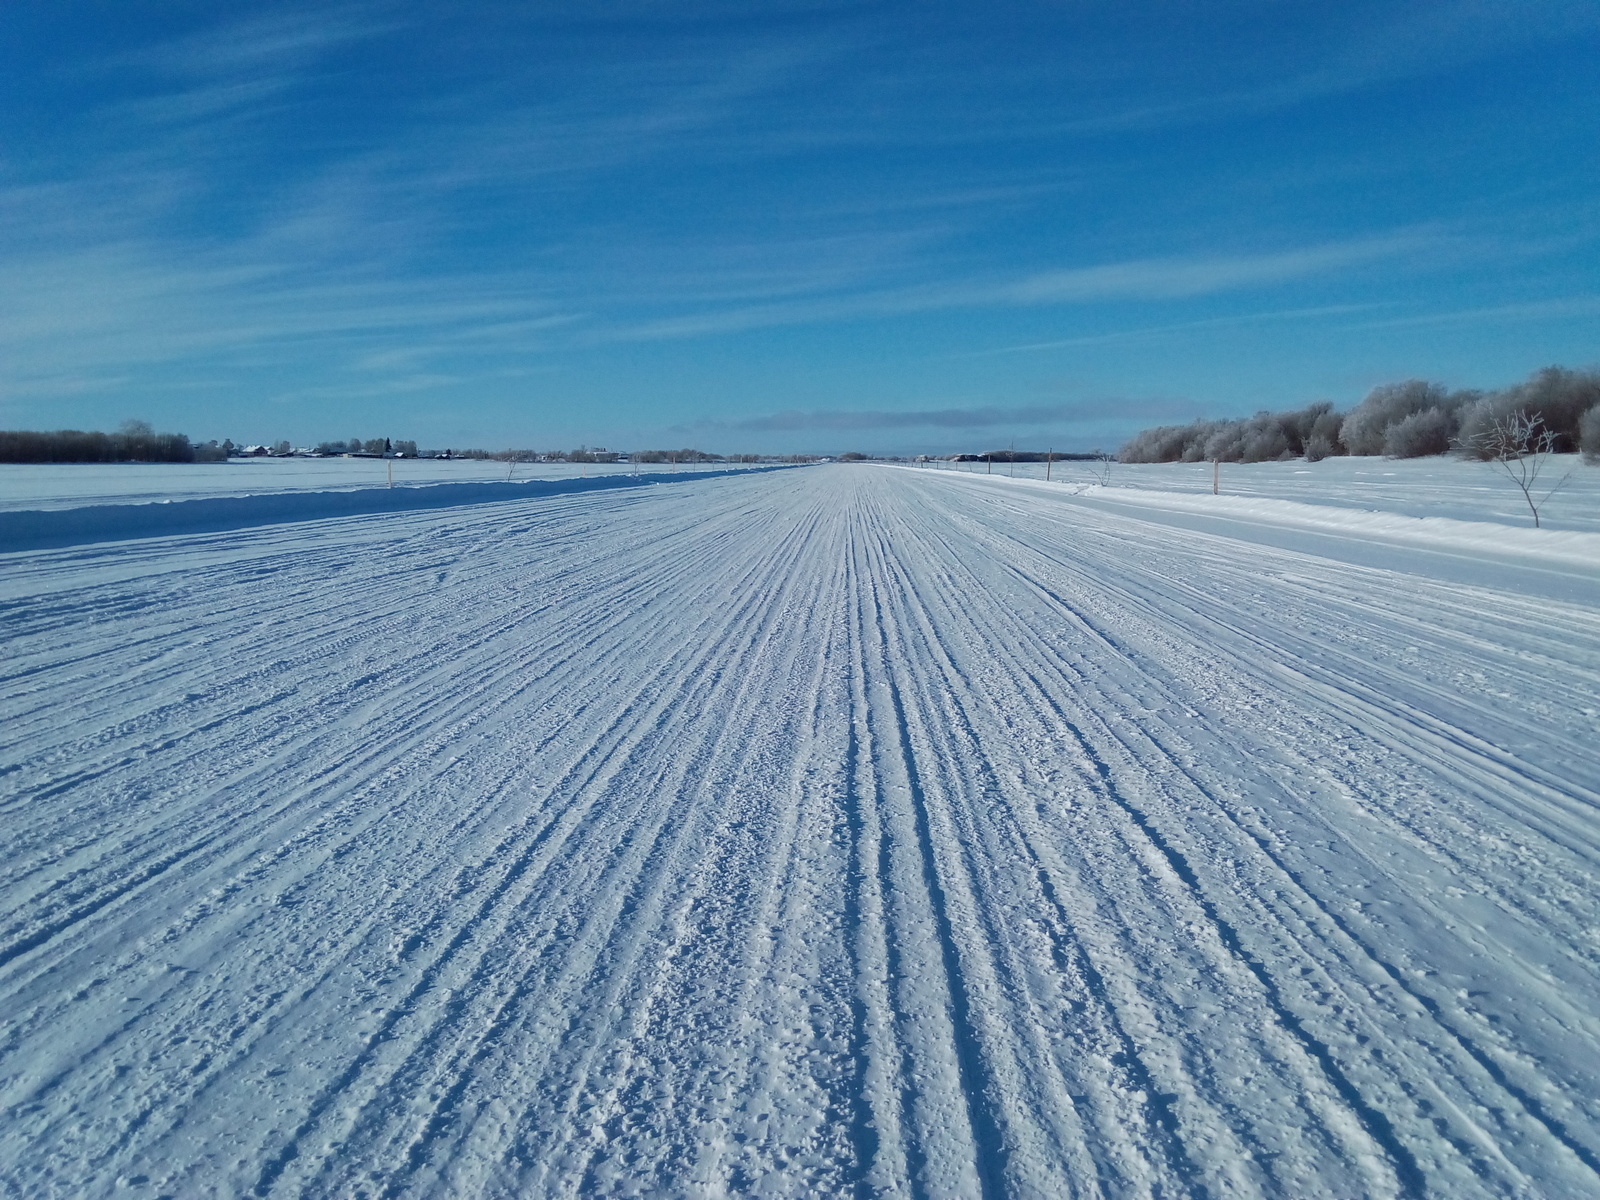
<point x="844" y="831"/>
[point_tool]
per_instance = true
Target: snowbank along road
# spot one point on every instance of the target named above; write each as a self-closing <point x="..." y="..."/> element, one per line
<point x="845" y="831"/>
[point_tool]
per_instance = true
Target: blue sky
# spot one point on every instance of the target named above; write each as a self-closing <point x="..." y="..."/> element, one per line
<point x="886" y="227"/>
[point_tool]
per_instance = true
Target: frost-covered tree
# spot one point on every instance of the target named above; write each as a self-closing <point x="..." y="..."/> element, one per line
<point x="1557" y="397"/>
<point x="1401" y="420"/>
<point x="1265" y="437"/>
<point x="1427" y="432"/>
<point x="1364" y="430"/>
<point x="1589" y="434"/>
<point x="1164" y="443"/>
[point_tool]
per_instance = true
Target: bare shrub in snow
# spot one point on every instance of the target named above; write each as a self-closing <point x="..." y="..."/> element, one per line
<point x="1319" y="447"/>
<point x="1521" y="444"/>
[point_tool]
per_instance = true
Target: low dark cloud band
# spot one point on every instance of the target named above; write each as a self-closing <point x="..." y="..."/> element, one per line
<point x="987" y="417"/>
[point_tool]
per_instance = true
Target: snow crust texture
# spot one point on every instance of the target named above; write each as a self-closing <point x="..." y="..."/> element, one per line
<point x="844" y="831"/>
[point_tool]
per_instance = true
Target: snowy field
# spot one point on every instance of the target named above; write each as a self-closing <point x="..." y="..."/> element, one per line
<point x="1416" y="487"/>
<point x="69" y="485"/>
<point x="843" y="831"/>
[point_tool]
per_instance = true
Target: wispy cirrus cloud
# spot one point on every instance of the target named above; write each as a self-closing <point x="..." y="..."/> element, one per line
<point x="1532" y="310"/>
<point x="1349" y="54"/>
<point x="357" y="198"/>
<point x="1318" y="313"/>
<point x="260" y="44"/>
<point x="1169" y="278"/>
<point x="1183" y="277"/>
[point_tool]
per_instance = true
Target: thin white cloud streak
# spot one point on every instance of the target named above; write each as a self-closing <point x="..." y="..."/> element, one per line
<point x="1154" y="279"/>
<point x="291" y="38"/>
<point x="119" y="309"/>
<point x="109" y="308"/>
<point x="329" y="259"/>
<point x="1149" y="331"/>
<point x="1534" y="310"/>
<point x="1182" y="278"/>
<point x="1411" y="41"/>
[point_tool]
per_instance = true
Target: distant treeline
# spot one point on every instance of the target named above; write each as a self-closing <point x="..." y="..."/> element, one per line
<point x="1400" y="420"/>
<point x="134" y="442"/>
<point x="1030" y="456"/>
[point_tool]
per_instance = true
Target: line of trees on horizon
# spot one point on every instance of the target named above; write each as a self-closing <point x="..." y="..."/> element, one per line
<point x="137" y="441"/>
<point x="1398" y="420"/>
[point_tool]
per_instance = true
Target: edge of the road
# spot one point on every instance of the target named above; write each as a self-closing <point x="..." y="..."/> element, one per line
<point x="26" y="530"/>
<point x="1556" y="565"/>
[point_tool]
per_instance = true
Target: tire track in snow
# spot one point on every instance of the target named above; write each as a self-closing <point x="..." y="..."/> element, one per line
<point x="1159" y="1107"/>
<point x="1529" y="1103"/>
<point x="1555" y="1128"/>
<point x="640" y="733"/>
<point x="1156" y="1116"/>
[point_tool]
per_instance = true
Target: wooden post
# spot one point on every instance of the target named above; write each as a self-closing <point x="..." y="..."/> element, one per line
<point x="1216" y="474"/>
<point x="391" y="472"/>
<point x="1049" y="461"/>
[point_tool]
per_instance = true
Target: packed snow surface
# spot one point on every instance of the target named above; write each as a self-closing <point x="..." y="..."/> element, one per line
<point x="836" y="831"/>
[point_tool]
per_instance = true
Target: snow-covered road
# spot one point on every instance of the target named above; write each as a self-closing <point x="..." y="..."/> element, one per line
<point x="840" y="831"/>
